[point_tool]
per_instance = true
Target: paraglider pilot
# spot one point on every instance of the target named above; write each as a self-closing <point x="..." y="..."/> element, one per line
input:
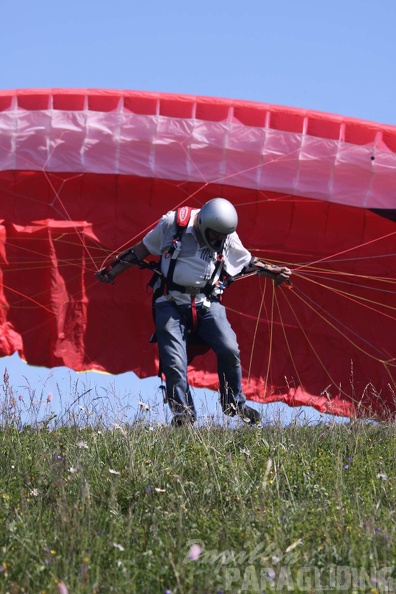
<point x="199" y="251"/>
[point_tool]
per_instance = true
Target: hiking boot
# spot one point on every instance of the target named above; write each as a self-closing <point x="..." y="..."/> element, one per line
<point x="246" y="413"/>
<point x="182" y="421"/>
<point x="230" y="410"/>
<point x="249" y="415"/>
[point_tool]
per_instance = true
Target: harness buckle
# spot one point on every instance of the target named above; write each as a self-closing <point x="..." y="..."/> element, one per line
<point x="206" y="303"/>
<point x="176" y="247"/>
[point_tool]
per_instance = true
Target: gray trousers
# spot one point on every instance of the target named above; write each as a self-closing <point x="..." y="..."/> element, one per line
<point x="173" y="325"/>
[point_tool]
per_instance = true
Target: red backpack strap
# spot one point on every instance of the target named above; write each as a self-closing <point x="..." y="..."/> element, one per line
<point x="183" y="215"/>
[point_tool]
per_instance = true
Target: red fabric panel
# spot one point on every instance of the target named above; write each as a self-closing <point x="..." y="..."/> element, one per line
<point x="5" y="102"/>
<point x="68" y="102"/>
<point x="250" y="115"/>
<point x="213" y="112"/>
<point x="34" y="102"/>
<point x="290" y="122"/>
<point x="10" y="341"/>
<point x="141" y="105"/>
<point x="103" y="102"/>
<point x="177" y="108"/>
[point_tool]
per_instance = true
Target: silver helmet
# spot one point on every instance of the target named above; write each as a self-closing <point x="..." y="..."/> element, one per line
<point x="220" y="216"/>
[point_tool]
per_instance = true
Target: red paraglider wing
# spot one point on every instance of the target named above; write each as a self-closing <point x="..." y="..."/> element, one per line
<point x="84" y="174"/>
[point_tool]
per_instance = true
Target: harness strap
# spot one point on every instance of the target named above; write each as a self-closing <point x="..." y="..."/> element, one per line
<point x="214" y="279"/>
<point x="167" y="283"/>
<point x="194" y="316"/>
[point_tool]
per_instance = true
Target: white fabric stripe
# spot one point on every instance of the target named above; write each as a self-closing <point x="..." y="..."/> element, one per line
<point x="120" y="142"/>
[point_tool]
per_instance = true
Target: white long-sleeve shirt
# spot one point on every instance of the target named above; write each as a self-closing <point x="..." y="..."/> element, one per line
<point x="195" y="264"/>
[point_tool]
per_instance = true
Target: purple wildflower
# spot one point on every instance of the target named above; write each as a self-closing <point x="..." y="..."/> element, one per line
<point x="271" y="574"/>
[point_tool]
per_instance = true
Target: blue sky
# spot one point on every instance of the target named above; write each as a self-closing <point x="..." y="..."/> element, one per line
<point x="335" y="57"/>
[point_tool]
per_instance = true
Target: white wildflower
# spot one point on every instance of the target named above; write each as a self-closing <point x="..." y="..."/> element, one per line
<point x="118" y="546"/>
<point x="294" y="545"/>
<point x="144" y="406"/>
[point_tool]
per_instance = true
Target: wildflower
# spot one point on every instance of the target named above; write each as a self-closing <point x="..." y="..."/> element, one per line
<point x="82" y="445"/>
<point x="144" y="406"/>
<point x="118" y="546"/>
<point x="49" y="397"/>
<point x="245" y="451"/>
<point x="62" y="588"/>
<point x="72" y="470"/>
<point x="293" y="545"/>
<point x="113" y="471"/>
<point x="148" y="490"/>
<point x="346" y="467"/>
<point x="3" y="567"/>
<point x="168" y="591"/>
<point x="160" y="490"/>
<point x="382" y="476"/>
<point x="34" y="492"/>
<point x="194" y="552"/>
<point x="271" y="574"/>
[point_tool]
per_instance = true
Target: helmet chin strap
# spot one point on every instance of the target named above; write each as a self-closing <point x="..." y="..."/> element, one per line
<point x="215" y="245"/>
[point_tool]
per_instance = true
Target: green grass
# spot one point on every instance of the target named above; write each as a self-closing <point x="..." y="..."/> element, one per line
<point x="118" y="510"/>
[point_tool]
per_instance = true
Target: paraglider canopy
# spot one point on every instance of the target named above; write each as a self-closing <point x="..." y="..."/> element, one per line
<point x="85" y="174"/>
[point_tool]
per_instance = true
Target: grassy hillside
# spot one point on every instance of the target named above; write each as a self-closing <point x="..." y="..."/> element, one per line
<point x="143" y="509"/>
